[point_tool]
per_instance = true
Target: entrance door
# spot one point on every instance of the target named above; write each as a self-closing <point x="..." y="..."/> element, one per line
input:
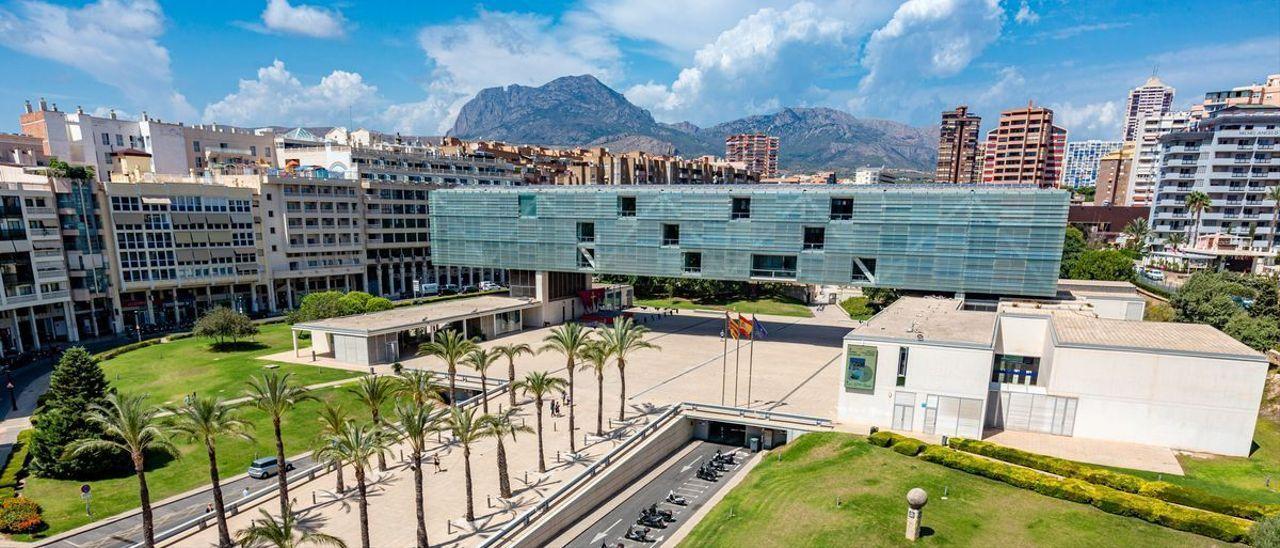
<point x="904" y="408"/>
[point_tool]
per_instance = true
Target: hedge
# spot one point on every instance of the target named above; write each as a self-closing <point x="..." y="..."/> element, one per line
<point x="885" y="438"/>
<point x="1191" y="520"/>
<point x="1161" y="490"/>
<point x="108" y="354"/>
<point x="20" y="515"/>
<point x="16" y="467"/>
<point x="909" y="447"/>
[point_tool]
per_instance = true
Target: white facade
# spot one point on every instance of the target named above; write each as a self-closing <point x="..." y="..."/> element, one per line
<point x="1152" y="98"/>
<point x="1146" y="154"/>
<point x="1081" y="164"/>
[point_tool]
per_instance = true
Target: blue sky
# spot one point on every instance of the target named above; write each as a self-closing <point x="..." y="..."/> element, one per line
<point x="408" y="66"/>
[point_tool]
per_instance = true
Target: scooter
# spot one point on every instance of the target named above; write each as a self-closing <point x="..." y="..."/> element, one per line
<point x="638" y="535"/>
<point x="666" y="515"/>
<point x="677" y="500"/>
<point x="651" y="520"/>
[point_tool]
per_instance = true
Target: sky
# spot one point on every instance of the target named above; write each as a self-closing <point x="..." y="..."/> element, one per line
<point x="410" y="66"/>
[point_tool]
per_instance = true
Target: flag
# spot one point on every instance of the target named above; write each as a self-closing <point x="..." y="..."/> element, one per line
<point x="758" y="328"/>
<point x="744" y="326"/>
<point x="733" y="326"/>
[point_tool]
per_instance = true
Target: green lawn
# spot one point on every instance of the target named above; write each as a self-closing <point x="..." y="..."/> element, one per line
<point x="171" y="370"/>
<point x="857" y="308"/>
<point x="791" y="502"/>
<point x="775" y="305"/>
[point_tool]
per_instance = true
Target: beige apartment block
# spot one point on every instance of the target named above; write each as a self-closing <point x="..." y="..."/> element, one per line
<point x="228" y="149"/>
<point x="1025" y="148"/>
<point x="35" y="299"/>
<point x="1112" y="184"/>
<point x="958" y="160"/>
<point x="757" y="151"/>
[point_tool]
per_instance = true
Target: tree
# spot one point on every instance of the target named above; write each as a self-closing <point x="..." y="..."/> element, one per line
<point x="595" y="356"/>
<point x="224" y="325"/>
<point x="417" y="420"/>
<point x="1266" y="533"/>
<point x="356" y="444"/>
<point x="332" y="418"/>
<point x="451" y="347"/>
<point x="622" y="339"/>
<point x="1073" y="244"/>
<point x="1159" y="312"/>
<point x="511" y="352"/>
<point x="499" y="426"/>
<point x="352" y="303"/>
<point x="1197" y="202"/>
<point x="1273" y="194"/>
<point x="1206" y="297"/>
<point x="61" y="169"/>
<point x="76" y="384"/>
<point x="880" y="297"/>
<point x="275" y="395"/>
<point x="132" y="425"/>
<point x="420" y="386"/>
<point x="481" y="359"/>
<point x="1176" y="240"/>
<point x="567" y="340"/>
<point x="540" y="385"/>
<point x="375" y="392"/>
<point x="378" y="304"/>
<point x="1259" y="333"/>
<point x="467" y="429"/>
<point x="204" y="420"/>
<point x="317" y="306"/>
<point x="1102" y="264"/>
<point x="269" y="532"/>
<point x="1138" y="230"/>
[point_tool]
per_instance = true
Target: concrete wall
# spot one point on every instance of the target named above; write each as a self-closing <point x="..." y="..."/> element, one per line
<point x="1021" y="336"/>
<point x="931" y="369"/>
<point x="1119" y="309"/>
<point x="1183" y="402"/>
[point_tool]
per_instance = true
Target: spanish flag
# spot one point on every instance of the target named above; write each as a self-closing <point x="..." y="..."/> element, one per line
<point x="744" y="326"/>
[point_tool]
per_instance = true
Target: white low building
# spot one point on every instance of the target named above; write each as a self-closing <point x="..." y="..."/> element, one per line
<point x="1082" y="365"/>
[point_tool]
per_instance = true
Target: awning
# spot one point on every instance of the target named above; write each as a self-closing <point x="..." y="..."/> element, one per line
<point x="155" y="201"/>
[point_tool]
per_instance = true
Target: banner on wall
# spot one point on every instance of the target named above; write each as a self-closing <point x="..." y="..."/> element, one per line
<point x="860" y="368"/>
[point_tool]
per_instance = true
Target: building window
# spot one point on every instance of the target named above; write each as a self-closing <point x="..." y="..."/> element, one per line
<point x="741" y="208"/>
<point x="773" y="266"/>
<point x="253" y="150"/>
<point x="903" y="355"/>
<point x="815" y="237"/>
<point x="864" y="269"/>
<point x="106" y="139"/>
<point x="119" y="140"/>
<point x="528" y="205"/>
<point x="586" y="232"/>
<point x="692" y="262"/>
<point x="626" y="206"/>
<point x="1010" y="369"/>
<point x="586" y="257"/>
<point x="670" y="235"/>
<point x="842" y="209"/>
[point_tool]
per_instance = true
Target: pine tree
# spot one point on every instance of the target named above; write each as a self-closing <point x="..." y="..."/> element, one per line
<point x="77" y="383"/>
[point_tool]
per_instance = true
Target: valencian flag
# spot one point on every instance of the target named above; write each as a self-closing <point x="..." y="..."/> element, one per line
<point x="733" y="325"/>
<point x="758" y="330"/>
<point x="744" y="326"/>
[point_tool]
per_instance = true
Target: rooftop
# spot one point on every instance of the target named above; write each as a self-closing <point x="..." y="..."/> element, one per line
<point x="931" y="320"/>
<point x="1081" y="330"/>
<point x="764" y="187"/>
<point x="410" y="317"/>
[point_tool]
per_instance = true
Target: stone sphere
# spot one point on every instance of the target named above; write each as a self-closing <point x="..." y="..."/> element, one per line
<point x="916" y="498"/>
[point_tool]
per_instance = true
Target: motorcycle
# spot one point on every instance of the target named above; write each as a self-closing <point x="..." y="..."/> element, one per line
<point x="666" y="515"/>
<point x="638" y="535"/>
<point x="677" y="500"/>
<point x="651" y="520"/>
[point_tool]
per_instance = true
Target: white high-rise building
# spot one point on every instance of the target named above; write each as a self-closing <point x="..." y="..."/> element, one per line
<point x="1082" y="157"/>
<point x="1146" y="154"/>
<point x="1153" y="98"/>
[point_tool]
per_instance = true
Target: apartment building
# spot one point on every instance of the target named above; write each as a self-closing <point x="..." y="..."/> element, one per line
<point x="1234" y="158"/>
<point x="1152" y="98"/>
<point x="81" y="138"/>
<point x="757" y="151"/>
<point x="35" y="299"/>
<point x="600" y="166"/>
<point x="1266" y="93"/>
<point x="1025" y="148"/>
<point x="228" y="149"/>
<point x="1146" y="154"/>
<point x="1080" y="167"/>
<point x="958" y="160"/>
<point x="22" y="150"/>
<point x="1111" y="186"/>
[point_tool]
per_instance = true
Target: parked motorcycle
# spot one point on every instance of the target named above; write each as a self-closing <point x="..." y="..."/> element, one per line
<point x="638" y="534"/>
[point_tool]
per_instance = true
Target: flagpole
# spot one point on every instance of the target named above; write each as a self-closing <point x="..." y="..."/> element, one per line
<point x="751" y="360"/>
<point x="737" y="353"/>
<point x="724" y="362"/>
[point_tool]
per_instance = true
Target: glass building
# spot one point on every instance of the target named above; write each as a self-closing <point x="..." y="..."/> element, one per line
<point x="974" y="240"/>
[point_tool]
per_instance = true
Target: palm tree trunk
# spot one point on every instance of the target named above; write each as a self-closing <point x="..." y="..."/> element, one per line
<point x="148" y="524"/>
<point x="542" y="463"/>
<point x="382" y="459"/>
<point x="573" y="444"/>
<point x="466" y="461"/>
<point x="453" y="387"/>
<point x="281" y="471"/>
<point x="484" y="393"/>
<point x="224" y="534"/>
<point x="511" y="381"/>
<point x="622" y="400"/>
<point x="417" y="499"/>
<point x="600" y="403"/>
<point x="1275" y="225"/>
<point x="341" y="486"/>
<point x="364" y="507"/>
<point x="504" y="482"/>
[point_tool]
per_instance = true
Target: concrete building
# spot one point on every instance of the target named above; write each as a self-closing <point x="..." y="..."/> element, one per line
<point x="82" y="138"/>
<point x="1233" y="157"/>
<point x="958" y="138"/>
<point x="1111" y="184"/>
<point x="1082" y="364"/>
<point x="1266" y="93"/>
<point x="35" y="296"/>
<point x="22" y="150"/>
<point x="1025" y="149"/>
<point x="1146" y="155"/>
<point x="1153" y="98"/>
<point x="759" y="152"/>
<point x="1080" y="166"/>
<point x="228" y="150"/>
<point x="1103" y="224"/>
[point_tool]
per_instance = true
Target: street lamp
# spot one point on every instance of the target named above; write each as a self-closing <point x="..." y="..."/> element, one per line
<point x="13" y="400"/>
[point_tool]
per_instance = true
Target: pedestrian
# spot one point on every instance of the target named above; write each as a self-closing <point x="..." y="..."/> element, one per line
<point x="435" y="459"/>
<point x="244" y="493"/>
<point x="208" y="508"/>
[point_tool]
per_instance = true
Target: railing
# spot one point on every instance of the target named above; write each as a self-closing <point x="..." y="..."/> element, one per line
<point x="761" y="414"/>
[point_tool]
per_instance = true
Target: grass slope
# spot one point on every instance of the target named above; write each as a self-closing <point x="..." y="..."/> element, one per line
<point x="857" y="308"/>
<point x="791" y="502"/>
<point x="775" y="305"/>
<point x="1234" y="477"/>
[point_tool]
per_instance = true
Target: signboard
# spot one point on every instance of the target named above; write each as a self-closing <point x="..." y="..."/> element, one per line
<point x="860" y="368"/>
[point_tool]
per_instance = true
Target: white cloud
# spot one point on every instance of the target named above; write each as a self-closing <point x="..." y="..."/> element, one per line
<point x="678" y="28"/>
<point x="929" y="38"/>
<point x="1026" y="15"/>
<point x="316" y="22"/>
<point x="1092" y="119"/>
<point x="276" y="96"/>
<point x="114" y="41"/>
<point x="1010" y="80"/>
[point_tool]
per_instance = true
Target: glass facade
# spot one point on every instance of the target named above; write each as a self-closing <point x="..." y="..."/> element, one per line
<point x="982" y="240"/>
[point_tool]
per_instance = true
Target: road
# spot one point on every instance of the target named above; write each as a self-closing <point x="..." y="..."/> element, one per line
<point x="679" y="475"/>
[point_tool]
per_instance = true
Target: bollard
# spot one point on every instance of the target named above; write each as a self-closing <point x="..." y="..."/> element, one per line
<point x="488" y="501"/>
<point x="526" y="477"/>
<point x="557" y="457"/>
<point x="401" y="454"/>
<point x="313" y="497"/>
<point x="555" y="426"/>
<point x="916" y="499"/>
<point x="450" y="527"/>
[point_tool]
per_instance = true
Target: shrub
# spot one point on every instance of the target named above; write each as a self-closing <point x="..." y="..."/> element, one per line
<point x="885" y="438"/>
<point x="909" y="447"/>
<point x="20" y="515"/>
<point x="223" y="324"/>
<point x="108" y="354"/>
<point x="76" y="384"/>
<point x="1266" y="533"/>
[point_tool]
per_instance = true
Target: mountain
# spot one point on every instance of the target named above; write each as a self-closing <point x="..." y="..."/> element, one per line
<point x="582" y="111"/>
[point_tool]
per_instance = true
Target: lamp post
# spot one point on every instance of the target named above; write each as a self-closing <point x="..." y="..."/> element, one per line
<point x="13" y="400"/>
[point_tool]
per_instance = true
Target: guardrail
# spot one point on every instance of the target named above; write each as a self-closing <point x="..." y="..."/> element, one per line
<point x="759" y="414"/>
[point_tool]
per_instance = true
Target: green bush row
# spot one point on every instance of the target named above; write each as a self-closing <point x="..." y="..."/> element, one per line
<point x="909" y="447"/>
<point x="1107" y="499"/>
<point x="1128" y="483"/>
<point x="16" y="467"/>
<point x="108" y="354"/>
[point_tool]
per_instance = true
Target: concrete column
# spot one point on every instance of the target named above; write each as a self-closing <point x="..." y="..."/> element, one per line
<point x="435" y="271"/>
<point x="73" y="330"/>
<point x="328" y="283"/>
<point x="177" y="307"/>
<point x="288" y="285"/>
<point x="151" y="309"/>
<point x="294" y="335"/>
<point x="17" y="333"/>
<point x="35" y="332"/>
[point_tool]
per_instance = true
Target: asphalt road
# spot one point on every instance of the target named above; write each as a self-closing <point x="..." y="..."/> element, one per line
<point x="679" y="476"/>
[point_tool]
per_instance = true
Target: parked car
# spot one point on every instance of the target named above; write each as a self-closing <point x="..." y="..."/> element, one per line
<point x="266" y="467"/>
<point x="429" y="289"/>
<point x="489" y="286"/>
<point x="449" y="289"/>
<point x="1155" y="274"/>
<point x="468" y="289"/>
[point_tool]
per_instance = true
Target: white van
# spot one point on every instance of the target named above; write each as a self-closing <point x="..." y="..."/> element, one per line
<point x="429" y="289"/>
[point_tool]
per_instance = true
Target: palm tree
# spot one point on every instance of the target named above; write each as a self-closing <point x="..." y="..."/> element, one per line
<point x="499" y="426"/>
<point x="417" y="421"/>
<point x="275" y="395"/>
<point x="568" y="340"/>
<point x="480" y="359"/>
<point x="1138" y="230"/>
<point x="203" y="420"/>
<point x="451" y="347"/>
<point x="374" y="392"/>
<point x="269" y="532"/>
<point x="129" y="423"/>
<point x="540" y="385"/>
<point x="511" y="352"/>
<point x="333" y="417"/>
<point x="1176" y="240"/>
<point x="467" y="428"/>
<point x="1197" y="202"/>
<point x="1273" y="194"/>
<point x="421" y="386"/>
<point x="624" y="338"/>
<point x="357" y="443"/>
<point x="595" y="356"/>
